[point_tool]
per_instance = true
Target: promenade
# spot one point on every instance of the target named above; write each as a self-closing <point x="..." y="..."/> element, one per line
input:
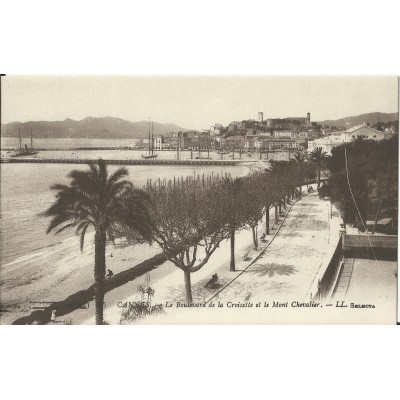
<point x="285" y="270"/>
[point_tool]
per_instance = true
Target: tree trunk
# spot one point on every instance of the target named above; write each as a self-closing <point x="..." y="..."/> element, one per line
<point x="301" y="190"/>
<point x="319" y="176"/>
<point x="267" y="219"/>
<point x="232" y="265"/>
<point x="188" y="287"/>
<point x="255" y="241"/>
<point x="276" y="214"/>
<point x="280" y="207"/>
<point x="99" y="274"/>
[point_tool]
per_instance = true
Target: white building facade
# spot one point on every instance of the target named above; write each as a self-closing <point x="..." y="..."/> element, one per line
<point x="362" y="131"/>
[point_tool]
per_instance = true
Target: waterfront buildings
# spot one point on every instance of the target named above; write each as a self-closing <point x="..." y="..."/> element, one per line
<point x="291" y="133"/>
<point x="362" y="131"/>
<point x="326" y="143"/>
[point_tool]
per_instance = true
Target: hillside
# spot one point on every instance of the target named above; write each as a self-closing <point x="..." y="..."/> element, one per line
<point x="88" y="128"/>
<point x="371" y="118"/>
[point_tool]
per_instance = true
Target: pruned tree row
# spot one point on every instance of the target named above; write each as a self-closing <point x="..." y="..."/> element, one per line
<point x="187" y="217"/>
<point x="191" y="217"/>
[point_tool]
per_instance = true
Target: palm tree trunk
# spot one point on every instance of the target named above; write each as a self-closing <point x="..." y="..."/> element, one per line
<point x="267" y="219"/>
<point x="276" y="214"/>
<point x="99" y="274"/>
<point x="232" y="265"/>
<point x="188" y="287"/>
<point x="319" y="176"/>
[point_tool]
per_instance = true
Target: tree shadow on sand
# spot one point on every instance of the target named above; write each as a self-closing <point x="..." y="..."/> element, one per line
<point x="271" y="270"/>
<point x="81" y="298"/>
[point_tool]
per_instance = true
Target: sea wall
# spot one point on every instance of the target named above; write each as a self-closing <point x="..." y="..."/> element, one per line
<point x="121" y="162"/>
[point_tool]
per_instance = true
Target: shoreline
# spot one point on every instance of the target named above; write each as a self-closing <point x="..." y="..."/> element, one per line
<point x="48" y="274"/>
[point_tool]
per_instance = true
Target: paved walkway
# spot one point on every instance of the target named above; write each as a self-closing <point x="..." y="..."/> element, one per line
<point x="289" y="266"/>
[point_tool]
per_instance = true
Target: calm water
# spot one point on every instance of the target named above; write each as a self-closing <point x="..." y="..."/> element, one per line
<point x="25" y="194"/>
<point x="65" y="143"/>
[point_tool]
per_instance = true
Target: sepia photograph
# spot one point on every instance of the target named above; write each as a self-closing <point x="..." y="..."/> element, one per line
<point x="215" y="183"/>
<point x="198" y="200"/>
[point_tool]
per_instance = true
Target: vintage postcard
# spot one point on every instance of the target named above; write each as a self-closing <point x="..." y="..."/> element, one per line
<point x="198" y="200"/>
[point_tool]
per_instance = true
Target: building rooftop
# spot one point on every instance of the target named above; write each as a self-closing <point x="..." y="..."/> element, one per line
<point x="356" y="127"/>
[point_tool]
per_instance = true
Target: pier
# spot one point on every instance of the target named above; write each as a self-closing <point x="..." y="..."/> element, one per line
<point x="17" y="160"/>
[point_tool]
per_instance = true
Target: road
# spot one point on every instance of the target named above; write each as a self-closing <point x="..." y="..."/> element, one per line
<point x="289" y="265"/>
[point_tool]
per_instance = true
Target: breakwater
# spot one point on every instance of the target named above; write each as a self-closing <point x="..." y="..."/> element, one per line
<point x="121" y="162"/>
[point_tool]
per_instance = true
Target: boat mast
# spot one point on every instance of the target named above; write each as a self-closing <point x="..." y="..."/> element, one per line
<point x="178" y="146"/>
<point x="152" y="138"/>
<point x="199" y="146"/>
<point x="149" y="136"/>
<point x="20" y="142"/>
<point x="31" y="140"/>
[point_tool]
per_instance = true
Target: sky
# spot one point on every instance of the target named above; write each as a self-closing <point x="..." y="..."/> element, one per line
<point x="193" y="102"/>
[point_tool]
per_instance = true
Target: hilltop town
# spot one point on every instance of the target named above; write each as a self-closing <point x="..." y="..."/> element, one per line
<point x="271" y="134"/>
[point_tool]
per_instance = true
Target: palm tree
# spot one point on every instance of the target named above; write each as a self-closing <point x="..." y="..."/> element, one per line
<point x="318" y="156"/>
<point x="300" y="158"/>
<point x="107" y="203"/>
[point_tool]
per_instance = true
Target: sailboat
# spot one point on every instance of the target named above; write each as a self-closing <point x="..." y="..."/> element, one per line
<point x="24" y="152"/>
<point x="151" y="144"/>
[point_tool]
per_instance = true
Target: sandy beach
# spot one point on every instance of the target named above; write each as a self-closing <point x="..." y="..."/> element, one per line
<point x="55" y="273"/>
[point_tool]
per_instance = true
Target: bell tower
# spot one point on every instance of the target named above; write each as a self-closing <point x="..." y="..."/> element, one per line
<point x="260" y="117"/>
<point x="308" y="117"/>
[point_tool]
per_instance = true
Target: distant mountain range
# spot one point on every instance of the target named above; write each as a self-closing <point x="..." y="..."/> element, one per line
<point x="88" y="128"/>
<point x="371" y="118"/>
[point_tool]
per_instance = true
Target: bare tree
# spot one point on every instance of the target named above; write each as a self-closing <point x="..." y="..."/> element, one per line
<point x="254" y="206"/>
<point x="189" y="220"/>
<point x="234" y="200"/>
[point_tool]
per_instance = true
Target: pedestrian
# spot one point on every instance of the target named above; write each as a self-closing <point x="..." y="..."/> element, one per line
<point x="109" y="274"/>
<point x="53" y="316"/>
